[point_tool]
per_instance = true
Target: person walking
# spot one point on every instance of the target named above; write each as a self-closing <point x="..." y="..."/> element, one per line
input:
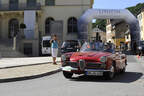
<point x="54" y="48"/>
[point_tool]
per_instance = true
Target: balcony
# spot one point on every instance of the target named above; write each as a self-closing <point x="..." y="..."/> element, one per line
<point x="19" y="7"/>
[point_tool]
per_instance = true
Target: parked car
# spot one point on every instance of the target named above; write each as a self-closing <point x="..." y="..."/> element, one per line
<point x="70" y="46"/>
<point x="93" y="60"/>
<point x="141" y="48"/>
<point x="45" y="45"/>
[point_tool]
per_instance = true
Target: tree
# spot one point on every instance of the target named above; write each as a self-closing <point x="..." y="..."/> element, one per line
<point x="101" y="24"/>
<point x="136" y="9"/>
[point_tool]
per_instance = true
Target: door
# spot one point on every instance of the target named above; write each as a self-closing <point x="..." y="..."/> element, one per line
<point x="56" y="28"/>
<point x="13" y="28"/>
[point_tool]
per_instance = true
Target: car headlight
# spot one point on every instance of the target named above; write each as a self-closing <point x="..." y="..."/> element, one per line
<point x="63" y="57"/>
<point x="140" y="48"/>
<point x="103" y="59"/>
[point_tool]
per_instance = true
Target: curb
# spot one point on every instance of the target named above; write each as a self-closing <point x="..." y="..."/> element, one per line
<point x="29" y="77"/>
<point x="26" y="65"/>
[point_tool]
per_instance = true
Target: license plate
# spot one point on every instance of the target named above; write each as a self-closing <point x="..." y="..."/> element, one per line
<point x="92" y="73"/>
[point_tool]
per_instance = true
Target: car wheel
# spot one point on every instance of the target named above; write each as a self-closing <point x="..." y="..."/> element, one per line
<point x="124" y="69"/>
<point x="67" y="75"/>
<point x="110" y="75"/>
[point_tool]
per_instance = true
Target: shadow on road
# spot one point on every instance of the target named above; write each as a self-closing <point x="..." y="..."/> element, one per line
<point x="127" y="77"/>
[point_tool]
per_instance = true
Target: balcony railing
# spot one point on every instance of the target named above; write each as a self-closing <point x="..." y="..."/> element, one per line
<point x="19" y="7"/>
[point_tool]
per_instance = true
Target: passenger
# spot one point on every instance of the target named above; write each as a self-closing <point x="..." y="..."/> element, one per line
<point x="97" y="45"/>
<point x="110" y="44"/>
<point x="101" y="45"/>
<point x="108" y="48"/>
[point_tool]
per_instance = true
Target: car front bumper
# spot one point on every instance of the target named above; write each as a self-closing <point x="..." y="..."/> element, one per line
<point x="71" y="69"/>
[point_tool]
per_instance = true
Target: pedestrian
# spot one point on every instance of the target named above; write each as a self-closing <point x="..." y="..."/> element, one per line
<point x="101" y="44"/>
<point x="54" y="48"/>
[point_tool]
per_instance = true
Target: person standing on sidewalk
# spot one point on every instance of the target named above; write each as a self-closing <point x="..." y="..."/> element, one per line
<point x="54" y="48"/>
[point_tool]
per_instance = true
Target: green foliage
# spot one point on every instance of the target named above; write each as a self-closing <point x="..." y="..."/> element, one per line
<point x="101" y="24"/>
<point x="136" y="9"/>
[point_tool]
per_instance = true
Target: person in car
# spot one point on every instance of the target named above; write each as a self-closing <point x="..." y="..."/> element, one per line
<point x="108" y="48"/>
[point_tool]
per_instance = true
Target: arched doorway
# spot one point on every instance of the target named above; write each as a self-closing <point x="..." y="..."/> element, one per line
<point x="47" y="25"/>
<point x="122" y="14"/>
<point x="72" y="25"/>
<point x="13" y="28"/>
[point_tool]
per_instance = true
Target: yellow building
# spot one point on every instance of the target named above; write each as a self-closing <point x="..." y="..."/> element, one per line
<point x="115" y="31"/>
<point x="141" y="23"/>
<point x="38" y="16"/>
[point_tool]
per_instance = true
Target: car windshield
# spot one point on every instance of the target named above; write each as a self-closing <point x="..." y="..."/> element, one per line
<point x="70" y="44"/>
<point x="97" y="46"/>
<point x="46" y="43"/>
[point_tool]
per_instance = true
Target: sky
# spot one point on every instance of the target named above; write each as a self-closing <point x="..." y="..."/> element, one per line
<point x="115" y="4"/>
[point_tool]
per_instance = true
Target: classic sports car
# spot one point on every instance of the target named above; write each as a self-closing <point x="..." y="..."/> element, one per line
<point x="94" y="59"/>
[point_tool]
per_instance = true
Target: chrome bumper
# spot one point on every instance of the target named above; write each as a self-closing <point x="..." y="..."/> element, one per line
<point x="69" y="68"/>
<point x="96" y="70"/>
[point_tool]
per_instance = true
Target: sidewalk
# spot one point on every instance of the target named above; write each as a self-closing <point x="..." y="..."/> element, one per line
<point x="26" y="61"/>
<point x="15" y="69"/>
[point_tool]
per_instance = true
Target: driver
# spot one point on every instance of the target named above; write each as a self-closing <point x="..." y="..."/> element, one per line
<point x="108" y="48"/>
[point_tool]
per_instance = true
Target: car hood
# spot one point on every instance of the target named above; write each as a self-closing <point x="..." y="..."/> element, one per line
<point x="88" y="56"/>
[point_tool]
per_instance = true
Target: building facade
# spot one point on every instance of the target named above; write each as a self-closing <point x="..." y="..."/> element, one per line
<point x="98" y="34"/>
<point x="115" y="32"/>
<point x="141" y="23"/>
<point x="41" y="18"/>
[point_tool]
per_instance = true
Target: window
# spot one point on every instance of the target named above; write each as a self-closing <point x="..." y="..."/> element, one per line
<point x="31" y="3"/>
<point x="13" y="4"/>
<point x="72" y="25"/>
<point x="47" y="25"/>
<point x="50" y="2"/>
<point x="0" y="3"/>
<point x="13" y="27"/>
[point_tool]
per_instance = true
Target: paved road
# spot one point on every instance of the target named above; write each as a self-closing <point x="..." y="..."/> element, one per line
<point x="129" y="84"/>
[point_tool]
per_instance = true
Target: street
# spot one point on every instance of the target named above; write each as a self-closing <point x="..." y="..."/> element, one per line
<point x="129" y="84"/>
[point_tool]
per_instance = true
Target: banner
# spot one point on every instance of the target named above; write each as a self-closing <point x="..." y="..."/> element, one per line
<point x="29" y="20"/>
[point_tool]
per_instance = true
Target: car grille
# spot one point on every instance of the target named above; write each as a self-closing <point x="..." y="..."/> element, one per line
<point x="94" y="65"/>
<point x="73" y="64"/>
<point x="82" y="65"/>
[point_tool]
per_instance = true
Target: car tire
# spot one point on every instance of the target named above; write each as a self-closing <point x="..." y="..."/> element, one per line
<point x="67" y="75"/>
<point x="124" y="69"/>
<point x="110" y="75"/>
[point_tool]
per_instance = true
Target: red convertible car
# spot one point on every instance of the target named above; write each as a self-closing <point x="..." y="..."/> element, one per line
<point x="94" y="59"/>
